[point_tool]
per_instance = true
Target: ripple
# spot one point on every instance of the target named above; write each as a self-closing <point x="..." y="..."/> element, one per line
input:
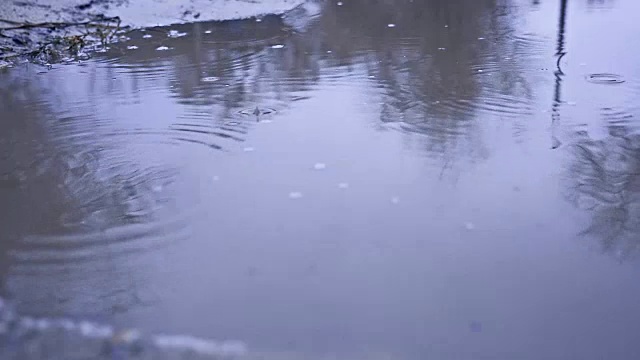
<point x="605" y="78"/>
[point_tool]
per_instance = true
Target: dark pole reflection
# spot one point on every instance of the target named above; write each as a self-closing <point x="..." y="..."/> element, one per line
<point x="557" y="93"/>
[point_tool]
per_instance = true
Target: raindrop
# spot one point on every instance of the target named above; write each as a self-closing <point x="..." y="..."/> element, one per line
<point x="605" y="78"/>
<point x="147" y="36"/>
<point x="395" y="200"/>
<point x="132" y="47"/>
<point x="210" y="79"/>
<point x="295" y="195"/>
<point x="278" y="46"/>
<point x="320" y="166"/>
<point x="162" y="48"/>
<point x="343" y="185"/>
<point x="391" y="25"/>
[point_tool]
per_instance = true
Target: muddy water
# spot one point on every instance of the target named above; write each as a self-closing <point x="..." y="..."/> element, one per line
<point x="433" y="179"/>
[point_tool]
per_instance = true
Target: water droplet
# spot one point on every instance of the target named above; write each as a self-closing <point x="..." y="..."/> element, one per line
<point x="320" y="166"/>
<point x="210" y="79"/>
<point x="469" y="225"/>
<point x="295" y="195"/>
<point x="278" y="46"/>
<point x="395" y="200"/>
<point x="147" y="36"/>
<point x="132" y="47"/>
<point x="249" y="149"/>
<point x="391" y="25"/>
<point x="343" y="185"/>
<point x="162" y="48"/>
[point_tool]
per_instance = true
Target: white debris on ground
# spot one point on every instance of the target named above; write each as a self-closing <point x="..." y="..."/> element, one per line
<point x="70" y="340"/>
<point x="142" y="13"/>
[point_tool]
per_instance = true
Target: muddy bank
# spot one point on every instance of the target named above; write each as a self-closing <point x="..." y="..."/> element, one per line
<point x="51" y="31"/>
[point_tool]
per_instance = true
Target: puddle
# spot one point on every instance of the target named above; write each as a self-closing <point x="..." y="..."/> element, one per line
<point x="449" y="187"/>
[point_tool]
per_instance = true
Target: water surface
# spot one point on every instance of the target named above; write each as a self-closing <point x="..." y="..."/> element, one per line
<point x="430" y="179"/>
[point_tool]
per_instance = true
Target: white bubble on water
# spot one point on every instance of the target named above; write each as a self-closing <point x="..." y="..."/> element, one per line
<point x="295" y="195"/>
<point x="277" y="46"/>
<point x="147" y="36"/>
<point x="210" y="79"/>
<point x="207" y="32"/>
<point x="132" y="47"/>
<point x="176" y="34"/>
<point x="162" y="48"/>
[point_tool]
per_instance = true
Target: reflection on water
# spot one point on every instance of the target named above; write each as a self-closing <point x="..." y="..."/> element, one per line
<point x="328" y="184"/>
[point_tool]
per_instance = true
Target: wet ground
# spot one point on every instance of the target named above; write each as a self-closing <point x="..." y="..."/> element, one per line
<point x="397" y="180"/>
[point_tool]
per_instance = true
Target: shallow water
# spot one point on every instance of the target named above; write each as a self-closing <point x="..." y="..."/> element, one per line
<point x="463" y="184"/>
